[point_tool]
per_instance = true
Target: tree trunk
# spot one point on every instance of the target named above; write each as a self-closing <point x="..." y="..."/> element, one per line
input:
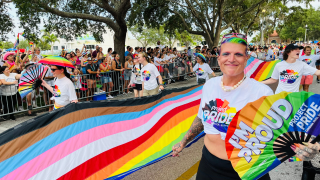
<point x="120" y="43"/>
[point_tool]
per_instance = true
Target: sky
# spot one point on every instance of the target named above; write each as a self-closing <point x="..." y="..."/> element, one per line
<point x="12" y="36"/>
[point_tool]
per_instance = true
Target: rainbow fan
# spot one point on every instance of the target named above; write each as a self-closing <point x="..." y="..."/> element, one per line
<point x="260" y="135"/>
<point x="260" y="70"/>
<point x="31" y="78"/>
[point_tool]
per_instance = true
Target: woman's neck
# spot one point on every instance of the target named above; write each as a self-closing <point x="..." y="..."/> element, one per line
<point x="291" y="60"/>
<point x="232" y="80"/>
<point x="7" y="74"/>
<point x="61" y="76"/>
<point x="201" y="63"/>
<point x="145" y="63"/>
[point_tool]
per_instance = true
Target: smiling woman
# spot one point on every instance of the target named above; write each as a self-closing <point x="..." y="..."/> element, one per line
<point x="221" y="98"/>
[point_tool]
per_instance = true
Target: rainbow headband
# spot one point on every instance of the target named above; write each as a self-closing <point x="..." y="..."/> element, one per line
<point x="235" y="40"/>
<point x="201" y="56"/>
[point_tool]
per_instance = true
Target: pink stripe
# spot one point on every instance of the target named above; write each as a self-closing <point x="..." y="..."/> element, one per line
<point x="247" y="69"/>
<point x="67" y="147"/>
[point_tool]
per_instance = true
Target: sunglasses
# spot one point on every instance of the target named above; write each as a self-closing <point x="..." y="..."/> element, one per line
<point x="53" y="70"/>
<point x="226" y="36"/>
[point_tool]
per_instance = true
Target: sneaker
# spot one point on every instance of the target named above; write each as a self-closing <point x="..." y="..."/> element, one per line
<point x="12" y="117"/>
<point x="21" y="108"/>
<point x="109" y="96"/>
<point x="34" y="105"/>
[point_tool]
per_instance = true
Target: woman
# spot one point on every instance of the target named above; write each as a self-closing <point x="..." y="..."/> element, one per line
<point x="280" y="53"/>
<point x="149" y="77"/>
<point x="84" y="62"/>
<point x="233" y="87"/>
<point x="74" y="59"/>
<point x="202" y="69"/>
<point x="128" y="65"/>
<point x="79" y="53"/>
<point x="9" y="91"/>
<point x="63" y="91"/>
<point x="9" y="59"/>
<point x="76" y="78"/>
<point x="135" y="80"/>
<point x="100" y="55"/>
<point x="290" y="71"/>
<point x="118" y="68"/>
<point x="105" y="67"/>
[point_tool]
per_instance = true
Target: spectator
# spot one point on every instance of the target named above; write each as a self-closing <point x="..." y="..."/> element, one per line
<point x="9" y="91"/>
<point x="118" y="68"/>
<point x="105" y="67"/>
<point x="130" y="52"/>
<point x="95" y="53"/>
<point x="137" y="50"/>
<point x="36" y="52"/>
<point x="135" y="80"/>
<point x="93" y="71"/>
<point x="127" y="52"/>
<point x="9" y="57"/>
<point x="76" y="78"/>
<point x="128" y="71"/>
<point x="160" y="46"/>
<point x="202" y="69"/>
<point x="84" y="62"/>
<point x="110" y="52"/>
<point x="64" y="91"/>
<point x="149" y="77"/>
<point x="49" y="79"/>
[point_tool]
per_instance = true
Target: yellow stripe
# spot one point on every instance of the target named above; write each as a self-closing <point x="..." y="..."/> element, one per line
<point x="164" y="141"/>
<point x="190" y="172"/>
<point x="266" y="71"/>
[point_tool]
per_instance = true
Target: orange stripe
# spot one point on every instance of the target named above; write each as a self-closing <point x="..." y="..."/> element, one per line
<point x="246" y="115"/>
<point x="175" y="120"/>
<point x="264" y="67"/>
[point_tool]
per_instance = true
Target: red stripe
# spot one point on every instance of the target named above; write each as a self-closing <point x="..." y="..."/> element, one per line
<point x="231" y="129"/>
<point x="102" y="160"/>
<point x="257" y="70"/>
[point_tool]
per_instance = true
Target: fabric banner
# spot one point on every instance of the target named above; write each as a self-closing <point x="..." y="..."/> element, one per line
<point x="260" y="70"/>
<point x="98" y="140"/>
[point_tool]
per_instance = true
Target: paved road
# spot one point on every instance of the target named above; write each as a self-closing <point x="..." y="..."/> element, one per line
<point x="172" y="168"/>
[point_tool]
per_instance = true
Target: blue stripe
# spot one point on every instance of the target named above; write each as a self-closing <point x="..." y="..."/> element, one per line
<point x="250" y="60"/>
<point x="68" y="132"/>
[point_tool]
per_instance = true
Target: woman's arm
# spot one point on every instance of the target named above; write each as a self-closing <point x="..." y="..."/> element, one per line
<point x="270" y="81"/>
<point x="44" y="83"/>
<point x="317" y="73"/>
<point x="18" y="76"/>
<point x="4" y="82"/>
<point x="195" y="129"/>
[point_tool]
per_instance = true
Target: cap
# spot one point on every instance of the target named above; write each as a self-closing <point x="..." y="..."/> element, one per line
<point x="293" y="47"/>
<point x="135" y="56"/>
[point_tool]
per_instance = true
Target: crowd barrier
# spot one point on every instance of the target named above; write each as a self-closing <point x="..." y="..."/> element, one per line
<point x="91" y="87"/>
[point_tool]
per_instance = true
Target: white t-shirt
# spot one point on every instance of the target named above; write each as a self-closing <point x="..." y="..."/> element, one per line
<point x="281" y="54"/>
<point x="269" y="55"/>
<point x="290" y="74"/>
<point x="155" y="61"/>
<point x="310" y="60"/>
<point x="49" y="74"/>
<point x="64" y="91"/>
<point x="253" y="54"/>
<point x="217" y="107"/>
<point x="136" y="79"/>
<point x="317" y="51"/>
<point x="149" y="75"/>
<point x="8" y="90"/>
<point x="202" y="71"/>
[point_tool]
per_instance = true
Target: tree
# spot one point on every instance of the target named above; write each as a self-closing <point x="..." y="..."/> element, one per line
<point x="146" y="36"/>
<point x="188" y="39"/>
<point x="50" y="39"/>
<point x="71" y="19"/>
<point x="6" y="44"/>
<point x="43" y="44"/>
<point x="207" y="18"/>
<point x="23" y="44"/>
<point x="5" y="20"/>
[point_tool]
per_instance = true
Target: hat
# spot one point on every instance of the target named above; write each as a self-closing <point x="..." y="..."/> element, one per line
<point x="7" y="54"/>
<point x="84" y="53"/>
<point x="135" y="56"/>
<point x="293" y="47"/>
<point x="201" y="56"/>
<point x="27" y="65"/>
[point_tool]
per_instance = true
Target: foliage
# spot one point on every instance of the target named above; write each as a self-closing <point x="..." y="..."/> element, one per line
<point x="188" y="39"/>
<point x="146" y="36"/>
<point x="5" y="20"/>
<point x="6" y="44"/>
<point x="43" y="44"/>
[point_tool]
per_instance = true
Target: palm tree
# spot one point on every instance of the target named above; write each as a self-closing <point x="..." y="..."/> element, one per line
<point x="51" y="39"/>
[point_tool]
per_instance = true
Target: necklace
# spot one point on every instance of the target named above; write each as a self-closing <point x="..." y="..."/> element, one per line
<point x="234" y="87"/>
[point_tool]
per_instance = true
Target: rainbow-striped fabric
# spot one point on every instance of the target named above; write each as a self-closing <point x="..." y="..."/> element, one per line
<point x="260" y="70"/>
<point x="98" y="140"/>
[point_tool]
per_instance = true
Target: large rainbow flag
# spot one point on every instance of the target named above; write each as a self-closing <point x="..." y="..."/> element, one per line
<point x="258" y="69"/>
<point x="98" y="140"/>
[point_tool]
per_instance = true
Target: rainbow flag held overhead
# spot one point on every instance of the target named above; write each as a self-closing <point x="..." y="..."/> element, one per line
<point x="258" y="69"/>
<point x="98" y="140"/>
<point x="31" y="44"/>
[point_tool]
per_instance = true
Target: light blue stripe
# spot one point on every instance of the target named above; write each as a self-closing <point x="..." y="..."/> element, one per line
<point x="68" y="132"/>
<point x="250" y="60"/>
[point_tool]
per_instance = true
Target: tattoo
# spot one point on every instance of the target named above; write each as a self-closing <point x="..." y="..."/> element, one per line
<point x="195" y="129"/>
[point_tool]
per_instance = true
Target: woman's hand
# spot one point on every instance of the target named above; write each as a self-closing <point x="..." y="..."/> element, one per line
<point x="15" y="82"/>
<point x="177" y="149"/>
<point x="307" y="152"/>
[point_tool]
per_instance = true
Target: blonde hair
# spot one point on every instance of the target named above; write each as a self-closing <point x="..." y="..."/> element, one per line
<point x="145" y="56"/>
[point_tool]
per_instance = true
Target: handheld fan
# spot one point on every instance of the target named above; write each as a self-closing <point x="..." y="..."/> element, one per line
<point x="260" y="70"/>
<point x="31" y="78"/>
<point x="260" y="135"/>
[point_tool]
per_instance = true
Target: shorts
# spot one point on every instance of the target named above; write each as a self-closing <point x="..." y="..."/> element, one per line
<point x="318" y="62"/>
<point x="105" y="79"/>
<point x="91" y="83"/>
<point x="212" y="167"/>
<point x="137" y="87"/>
<point x="160" y="69"/>
<point x="78" y="90"/>
<point x="151" y="92"/>
<point x="127" y="76"/>
<point x="306" y="80"/>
